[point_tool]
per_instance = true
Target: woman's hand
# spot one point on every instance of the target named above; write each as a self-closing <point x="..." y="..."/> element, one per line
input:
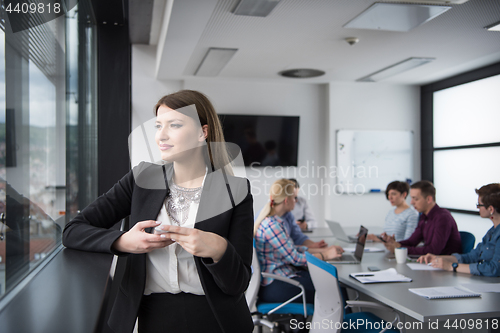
<point x="332" y="252"/>
<point x="137" y="240"/>
<point x="386" y="238"/>
<point x="197" y="242"/>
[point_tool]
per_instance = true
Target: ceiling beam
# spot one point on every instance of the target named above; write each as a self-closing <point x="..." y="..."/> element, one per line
<point x="183" y="24"/>
<point x="140" y="19"/>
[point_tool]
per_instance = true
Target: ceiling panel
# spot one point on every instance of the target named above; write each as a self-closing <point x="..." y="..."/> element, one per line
<point x="309" y="34"/>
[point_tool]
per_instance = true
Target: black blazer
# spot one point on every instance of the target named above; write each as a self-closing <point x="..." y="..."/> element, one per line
<point x="226" y="208"/>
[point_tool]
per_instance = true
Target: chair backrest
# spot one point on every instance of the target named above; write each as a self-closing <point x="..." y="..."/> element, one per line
<point x="253" y="286"/>
<point x="328" y="302"/>
<point x="468" y="241"/>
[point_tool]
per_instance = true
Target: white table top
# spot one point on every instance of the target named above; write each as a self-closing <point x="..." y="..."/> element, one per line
<point x="397" y="296"/>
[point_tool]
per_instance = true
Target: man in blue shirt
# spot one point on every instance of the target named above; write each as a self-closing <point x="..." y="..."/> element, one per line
<point x="296" y="233"/>
<point x="302" y="213"/>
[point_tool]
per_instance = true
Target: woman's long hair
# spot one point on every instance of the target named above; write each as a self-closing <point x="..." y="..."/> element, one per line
<point x="280" y="190"/>
<point x="218" y="156"/>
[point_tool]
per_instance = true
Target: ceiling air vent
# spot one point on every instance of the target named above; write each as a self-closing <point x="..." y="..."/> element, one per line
<point x="301" y="73"/>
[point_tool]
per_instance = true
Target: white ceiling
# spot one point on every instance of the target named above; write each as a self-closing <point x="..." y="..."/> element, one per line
<point x="309" y="34"/>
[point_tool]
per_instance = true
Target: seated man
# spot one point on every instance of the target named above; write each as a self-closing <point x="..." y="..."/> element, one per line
<point x="436" y="227"/>
<point x="297" y="235"/>
<point x="302" y="212"/>
<point x="485" y="258"/>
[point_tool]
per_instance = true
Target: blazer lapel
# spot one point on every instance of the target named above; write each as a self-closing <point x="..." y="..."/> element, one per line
<point x="153" y="192"/>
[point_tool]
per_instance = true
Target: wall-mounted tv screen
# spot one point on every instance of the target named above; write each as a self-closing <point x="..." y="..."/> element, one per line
<point x="264" y="140"/>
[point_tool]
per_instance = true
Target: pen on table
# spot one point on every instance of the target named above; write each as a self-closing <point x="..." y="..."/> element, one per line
<point x="363" y="275"/>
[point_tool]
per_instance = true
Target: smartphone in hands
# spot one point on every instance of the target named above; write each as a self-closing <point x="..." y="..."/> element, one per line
<point x="158" y="230"/>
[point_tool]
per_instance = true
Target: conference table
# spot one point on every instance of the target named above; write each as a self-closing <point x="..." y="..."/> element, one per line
<point x="479" y="312"/>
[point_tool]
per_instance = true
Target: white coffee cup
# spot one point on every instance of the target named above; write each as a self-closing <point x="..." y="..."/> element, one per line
<point x="401" y="254"/>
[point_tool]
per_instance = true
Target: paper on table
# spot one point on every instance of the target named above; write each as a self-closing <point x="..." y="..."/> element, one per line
<point x="483" y="287"/>
<point x="442" y="292"/>
<point x="422" y="267"/>
<point x="388" y="275"/>
<point x="367" y="249"/>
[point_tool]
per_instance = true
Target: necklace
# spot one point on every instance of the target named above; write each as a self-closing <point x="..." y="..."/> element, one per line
<point x="179" y="201"/>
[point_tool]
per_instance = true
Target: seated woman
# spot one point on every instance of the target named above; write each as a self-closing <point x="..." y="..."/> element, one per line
<point x="485" y="258"/>
<point x="276" y="251"/>
<point x="401" y="221"/>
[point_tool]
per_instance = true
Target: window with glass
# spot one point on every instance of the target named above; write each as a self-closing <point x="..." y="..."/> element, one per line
<point x="48" y="135"/>
<point x="466" y="141"/>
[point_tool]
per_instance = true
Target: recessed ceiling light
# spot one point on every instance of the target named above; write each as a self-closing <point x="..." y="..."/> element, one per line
<point x="214" y="61"/>
<point x="493" y="27"/>
<point x="301" y="73"/>
<point x="395" y="17"/>
<point x="397" y="68"/>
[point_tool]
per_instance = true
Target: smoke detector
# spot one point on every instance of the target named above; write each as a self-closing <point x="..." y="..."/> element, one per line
<point x="352" y="40"/>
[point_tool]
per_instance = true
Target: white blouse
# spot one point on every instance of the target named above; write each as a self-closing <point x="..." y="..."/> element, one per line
<point x="172" y="269"/>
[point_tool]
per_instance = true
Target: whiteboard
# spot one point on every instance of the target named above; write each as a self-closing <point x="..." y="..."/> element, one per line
<point x="369" y="160"/>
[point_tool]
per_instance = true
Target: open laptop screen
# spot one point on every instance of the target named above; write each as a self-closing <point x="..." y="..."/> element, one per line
<point x="360" y="244"/>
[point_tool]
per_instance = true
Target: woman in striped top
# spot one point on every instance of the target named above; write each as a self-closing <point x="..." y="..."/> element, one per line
<point x="401" y="221"/>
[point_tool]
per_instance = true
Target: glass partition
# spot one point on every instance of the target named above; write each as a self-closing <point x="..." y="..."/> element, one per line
<point x="48" y="135"/>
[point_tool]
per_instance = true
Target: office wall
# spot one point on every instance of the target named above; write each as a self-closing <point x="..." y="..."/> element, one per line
<point x="369" y="106"/>
<point x="146" y="89"/>
<point x="309" y="101"/>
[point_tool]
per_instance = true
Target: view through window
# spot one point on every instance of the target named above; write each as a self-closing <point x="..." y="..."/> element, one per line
<point x="48" y="135"/>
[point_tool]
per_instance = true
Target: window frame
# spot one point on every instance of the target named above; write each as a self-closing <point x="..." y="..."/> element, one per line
<point x="427" y="124"/>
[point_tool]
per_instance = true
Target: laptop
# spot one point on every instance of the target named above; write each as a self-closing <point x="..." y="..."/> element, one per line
<point x="349" y="258"/>
<point x="339" y="233"/>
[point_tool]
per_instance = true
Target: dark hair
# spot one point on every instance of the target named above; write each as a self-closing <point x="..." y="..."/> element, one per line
<point x="490" y="195"/>
<point x="295" y="181"/>
<point x="401" y="187"/>
<point x="426" y="187"/>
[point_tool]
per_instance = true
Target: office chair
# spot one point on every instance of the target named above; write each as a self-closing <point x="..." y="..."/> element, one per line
<point x="329" y="306"/>
<point x="263" y="310"/>
<point x="468" y="241"/>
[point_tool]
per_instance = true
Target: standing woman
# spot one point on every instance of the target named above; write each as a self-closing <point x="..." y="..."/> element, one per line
<point x="189" y="275"/>
<point x="400" y="222"/>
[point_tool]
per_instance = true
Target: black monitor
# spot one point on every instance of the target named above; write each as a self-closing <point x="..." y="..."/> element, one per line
<point x="264" y="140"/>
